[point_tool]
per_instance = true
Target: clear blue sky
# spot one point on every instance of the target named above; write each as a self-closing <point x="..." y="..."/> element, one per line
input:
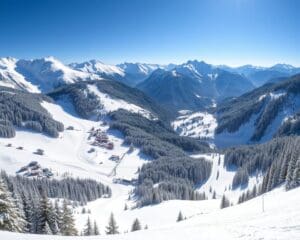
<point x="232" y="32"/>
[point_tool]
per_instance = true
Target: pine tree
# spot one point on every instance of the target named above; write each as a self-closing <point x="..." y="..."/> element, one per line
<point x="136" y="226"/>
<point x="28" y="212"/>
<point x="68" y="226"/>
<point x="96" y="229"/>
<point x="180" y="216"/>
<point x="46" y="217"/>
<point x="296" y="175"/>
<point x="10" y="218"/>
<point x="58" y="215"/>
<point x="88" y="230"/>
<point x="214" y="195"/>
<point x="112" y="227"/>
<point x="224" y="202"/>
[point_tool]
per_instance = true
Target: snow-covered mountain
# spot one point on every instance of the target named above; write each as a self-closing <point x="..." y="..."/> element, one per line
<point x="137" y="72"/>
<point x="194" y="85"/>
<point x="10" y="77"/>
<point x="261" y="75"/>
<point x="175" y="91"/>
<point x="258" y="116"/>
<point x="39" y="75"/>
<point x="99" y="68"/>
<point x="128" y="73"/>
<point x="49" y="73"/>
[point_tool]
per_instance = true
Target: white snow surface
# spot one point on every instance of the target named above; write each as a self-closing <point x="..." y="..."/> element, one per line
<point x="112" y="104"/>
<point x="39" y="75"/>
<point x="9" y="77"/>
<point x="98" y="67"/>
<point x="280" y="220"/>
<point x="197" y="125"/>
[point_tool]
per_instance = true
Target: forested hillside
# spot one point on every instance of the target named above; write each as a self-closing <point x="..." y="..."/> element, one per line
<point x="278" y="160"/>
<point x="269" y="110"/>
<point x="24" y="110"/>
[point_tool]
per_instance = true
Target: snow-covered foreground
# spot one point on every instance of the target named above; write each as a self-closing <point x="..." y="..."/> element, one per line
<point x="280" y="220"/>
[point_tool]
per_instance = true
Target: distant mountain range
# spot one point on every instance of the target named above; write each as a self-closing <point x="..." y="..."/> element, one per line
<point x="193" y="85"/>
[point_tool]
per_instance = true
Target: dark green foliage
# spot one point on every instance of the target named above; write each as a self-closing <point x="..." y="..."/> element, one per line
<point x="24" y="109"/>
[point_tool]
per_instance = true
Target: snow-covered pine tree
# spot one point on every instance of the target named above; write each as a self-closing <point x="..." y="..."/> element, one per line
<point x="224" y="202"/>
<point x="180" y="217"/>
<point x="10" y="218"/>
<point x="112" y="227"/>
<point x="46" y="217"/>
<point x="214" y="195"/>
<point x="96" y="229"/>
<point x="58" y="215"/>
<point x="88" y="229"/>
<point x="68" y="226"/>
<point x="296" y="175"/>
<point x="28" y="212"/>
<point x="136" y="226"/>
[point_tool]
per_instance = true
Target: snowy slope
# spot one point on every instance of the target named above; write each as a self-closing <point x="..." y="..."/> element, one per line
<point x="39" y="75"/>
<point x="9" y="77"/>
<point x="110" y="104"/>
<point x="197" y="125"/>
<point x="221" y="178"/>
<point x="279" y="221"/>
<point x="97" y="67"/>
<point x="274" y="109"/>
<point x="48" y="73"/>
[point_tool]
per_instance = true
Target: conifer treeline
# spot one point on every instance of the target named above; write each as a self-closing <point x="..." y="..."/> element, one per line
<point x="25" y="207"/>
<point x="278" y="160"/>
